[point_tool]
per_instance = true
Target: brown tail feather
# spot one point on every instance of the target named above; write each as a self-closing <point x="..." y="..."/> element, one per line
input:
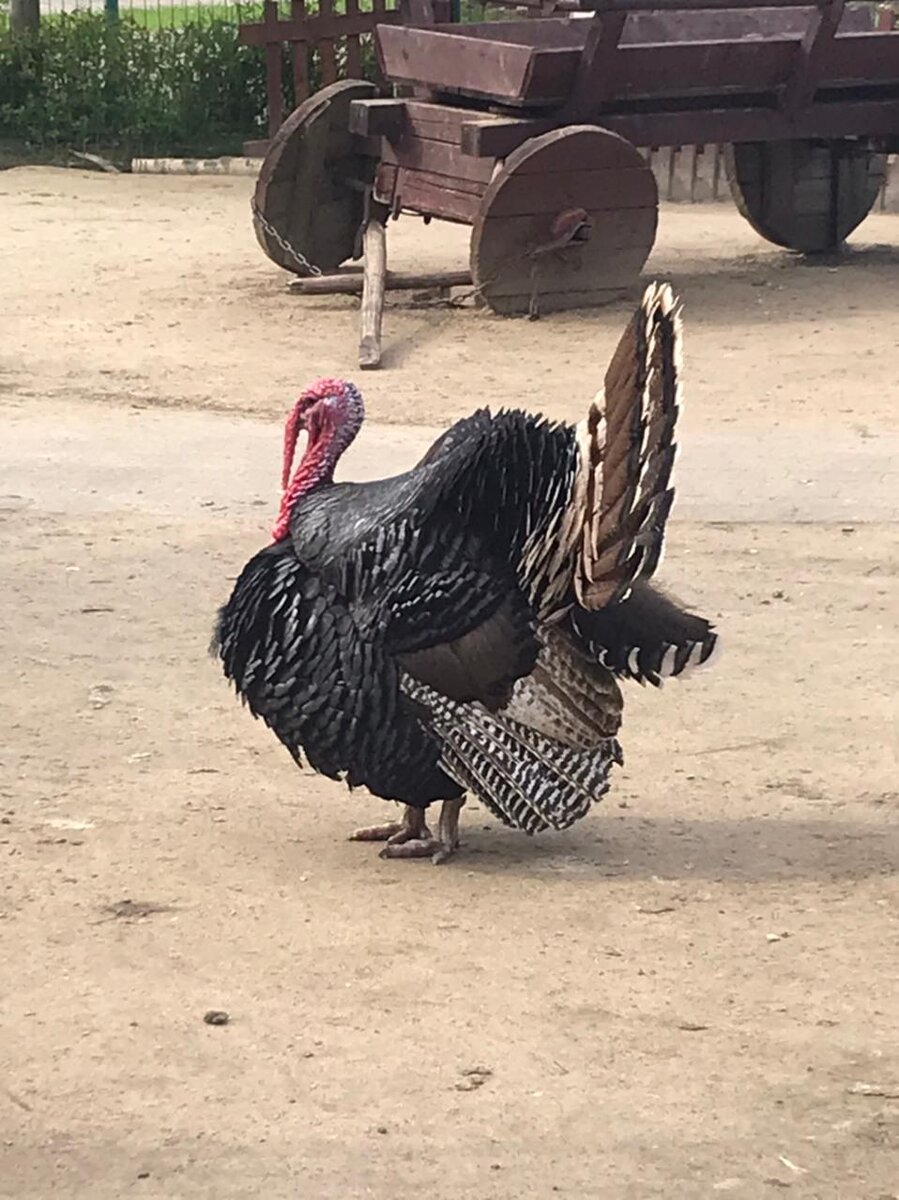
<point x="627" y="455"/>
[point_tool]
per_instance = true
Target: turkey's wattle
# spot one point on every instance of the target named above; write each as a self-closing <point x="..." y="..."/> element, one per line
<point x="462" y="627"/>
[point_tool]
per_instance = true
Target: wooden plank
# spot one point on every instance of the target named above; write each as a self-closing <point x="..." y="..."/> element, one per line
<point x="523" y="75"/>
<point x="417" y="193"/>
<point x="300" y="56"/>
<point x="395" y="119"/>
<point x="351" y="284"/>
<point x="440" y="158"/>
<point x="551" y="193"/>
<point x="353" y="49"/>
<point x="497" y="138"/>
<point x="274" y="96"/>
<point x="472" y="65"/>
<point x="469" y="186"/>
<point x="327" y="57"/>
<point x="437" y="122"/>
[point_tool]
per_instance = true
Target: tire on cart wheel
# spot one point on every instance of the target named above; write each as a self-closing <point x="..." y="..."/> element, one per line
<point x="567" y="221"/>
<point x="303" y="190"/>
<point x="805" y="195"/>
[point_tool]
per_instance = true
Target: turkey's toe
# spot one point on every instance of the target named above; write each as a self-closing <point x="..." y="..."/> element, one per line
<point x="377" y="833"/>
<point x="412" y="847"/>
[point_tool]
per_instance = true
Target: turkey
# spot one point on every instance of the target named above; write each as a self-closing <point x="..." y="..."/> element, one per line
<point x="463" y="627"/>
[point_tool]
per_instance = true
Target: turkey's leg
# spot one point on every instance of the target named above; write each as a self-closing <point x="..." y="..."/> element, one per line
<point x="411" y="837"/>
<point x="448" y="830"/>
<point x="423" y="844"/>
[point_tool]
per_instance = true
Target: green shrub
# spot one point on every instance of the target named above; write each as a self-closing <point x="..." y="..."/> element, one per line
<point x="84" y="82"/>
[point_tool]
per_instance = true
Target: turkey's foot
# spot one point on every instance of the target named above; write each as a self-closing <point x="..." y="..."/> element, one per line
<point x="419" y="842"/>
<point x="413" y="839"/>
<point x="398" y="833"/>
<point x="376" y="833"/>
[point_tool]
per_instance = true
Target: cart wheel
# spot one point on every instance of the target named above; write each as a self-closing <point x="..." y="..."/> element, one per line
<point x="567" y="222"/>
<point x="805" y="196"/>
<point x="304" y="190"/>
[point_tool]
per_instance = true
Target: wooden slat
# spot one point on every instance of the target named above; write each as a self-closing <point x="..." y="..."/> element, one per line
<point x="497" y="138"/>
<point x="326" y="45"/>
<point x="707" y="69"/>
<point x="379" y="118"/>
<point x="522" y="75"/>
<point x="350" y="282"/>
<point x="452" y="61"/>
<point x="419" y="194"/>
<point x="274" y="95"/>
<point x="441" y="158"/>
<point x="470" y="187"/>
<point x="353" y="49"/>
<point x="395" y="119"/>
<point x="300" y="56"/>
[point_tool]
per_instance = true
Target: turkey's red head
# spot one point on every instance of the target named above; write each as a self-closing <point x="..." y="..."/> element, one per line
<point x="331" y="413"/>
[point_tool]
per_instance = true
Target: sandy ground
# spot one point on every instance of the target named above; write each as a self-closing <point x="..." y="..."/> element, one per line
<point x="691" y="993"/>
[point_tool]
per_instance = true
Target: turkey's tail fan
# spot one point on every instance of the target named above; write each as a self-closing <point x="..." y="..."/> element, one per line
<point x="528" y="780"/>
<point x="627" y="449"/>
<point x="647" y="637"/>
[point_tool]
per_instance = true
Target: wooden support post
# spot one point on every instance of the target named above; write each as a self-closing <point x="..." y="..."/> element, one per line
<point x="374" y="242"/>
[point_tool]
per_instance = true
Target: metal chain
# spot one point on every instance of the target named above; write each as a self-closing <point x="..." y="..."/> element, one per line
<point x="297" y="255"/>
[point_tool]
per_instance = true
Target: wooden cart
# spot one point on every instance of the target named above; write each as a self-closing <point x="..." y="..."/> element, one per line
<point x="531" y="132"/>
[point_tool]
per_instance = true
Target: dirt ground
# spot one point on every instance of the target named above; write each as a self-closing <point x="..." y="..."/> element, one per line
<point x="691" y="993"/>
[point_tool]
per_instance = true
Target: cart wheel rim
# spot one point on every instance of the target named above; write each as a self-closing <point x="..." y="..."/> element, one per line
<point x="567" y="221"/>
<point x="304" y="191"/>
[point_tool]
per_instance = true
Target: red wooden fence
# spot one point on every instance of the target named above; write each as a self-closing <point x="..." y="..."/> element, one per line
<point x="322" y="31"/>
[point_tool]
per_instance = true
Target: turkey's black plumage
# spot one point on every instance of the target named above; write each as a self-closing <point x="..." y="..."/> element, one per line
<point x="461" y="626"/>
